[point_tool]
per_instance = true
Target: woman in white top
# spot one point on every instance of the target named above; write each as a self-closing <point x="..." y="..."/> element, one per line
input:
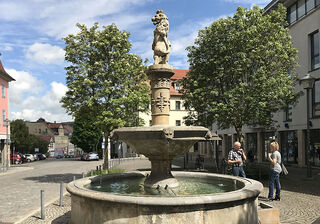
<point x="275" y="169"/>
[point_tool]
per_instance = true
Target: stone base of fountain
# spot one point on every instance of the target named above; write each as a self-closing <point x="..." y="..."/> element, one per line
<point x="234" y="207"/>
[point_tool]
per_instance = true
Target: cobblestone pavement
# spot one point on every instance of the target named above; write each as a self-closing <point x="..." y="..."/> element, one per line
<point x="53" y="213"/>
<point x="300" y="198"/>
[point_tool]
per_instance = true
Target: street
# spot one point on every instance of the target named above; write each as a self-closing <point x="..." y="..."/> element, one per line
<point x="20" y="192"/>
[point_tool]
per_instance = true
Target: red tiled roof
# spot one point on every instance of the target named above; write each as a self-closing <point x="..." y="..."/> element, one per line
<point x="67" y="129"/>
<point x="53" y="125"/>
<point x="4" y="74"/>
<point x="179" y="73"/>
<point x="44" y="138"/>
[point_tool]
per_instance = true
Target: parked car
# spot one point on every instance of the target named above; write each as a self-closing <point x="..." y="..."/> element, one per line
<point x="84" y="156"/>
<point x="23" y="158"/>
<point x="59" y="156"/>
<point x="92" y="156"/>
<point x="29" y="157"/>
<point x="35" y="156"/>
<point x="15" y="159"/>
<point x="41" y="156"/>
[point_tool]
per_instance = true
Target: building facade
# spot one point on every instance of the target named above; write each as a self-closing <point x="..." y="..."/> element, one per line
<point x="5" y="78"/>
<point x="291" y="128"/>
<point x="58" y="135"/>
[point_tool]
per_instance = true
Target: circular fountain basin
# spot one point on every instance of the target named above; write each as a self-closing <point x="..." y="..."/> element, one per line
<point x="234" y="206"/>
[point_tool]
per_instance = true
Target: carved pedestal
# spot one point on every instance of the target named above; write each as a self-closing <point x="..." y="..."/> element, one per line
<point x="159" y="76"/>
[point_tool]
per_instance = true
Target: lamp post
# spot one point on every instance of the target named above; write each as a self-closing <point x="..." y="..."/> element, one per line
<point x="7" y="154"/>
<point x="307" y="82"/>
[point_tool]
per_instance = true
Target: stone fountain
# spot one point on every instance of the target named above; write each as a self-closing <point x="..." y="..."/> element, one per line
<point x="160" y="143"/>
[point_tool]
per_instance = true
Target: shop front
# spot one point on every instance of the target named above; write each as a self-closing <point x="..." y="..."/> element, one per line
<point x="289" y="147"/>
<point x="315" y="147"/>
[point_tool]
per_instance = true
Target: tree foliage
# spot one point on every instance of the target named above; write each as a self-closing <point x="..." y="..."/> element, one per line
<point x="19" y="135"/>
<point x="239" y="70"/>
<point x="36" y="142"/>
<point x="86" y="134"/>
<point x="23" y="141"/>
<point x="104" y="77"/>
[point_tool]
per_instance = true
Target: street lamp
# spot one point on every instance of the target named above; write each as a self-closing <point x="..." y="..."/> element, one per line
<point x="307" y="82"/>
<point x="7" y="154"/>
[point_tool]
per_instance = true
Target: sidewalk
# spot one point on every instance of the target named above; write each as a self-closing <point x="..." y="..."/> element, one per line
<point x="300" y="198"/>
<point x="14" y="169"/>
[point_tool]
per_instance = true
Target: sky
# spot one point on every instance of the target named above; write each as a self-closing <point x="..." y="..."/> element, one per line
<point x="33" y="50"/>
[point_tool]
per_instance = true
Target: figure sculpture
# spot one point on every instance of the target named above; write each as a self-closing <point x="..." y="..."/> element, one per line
<point x="161" y="45"/>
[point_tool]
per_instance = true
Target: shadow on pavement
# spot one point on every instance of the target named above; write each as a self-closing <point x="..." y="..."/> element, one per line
<point x="317" y="221"/>
<point x="62" y="219"/>
<point x="55" y="178"/>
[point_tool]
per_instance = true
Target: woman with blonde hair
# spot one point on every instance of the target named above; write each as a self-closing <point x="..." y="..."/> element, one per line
<point x="275" y="169"/>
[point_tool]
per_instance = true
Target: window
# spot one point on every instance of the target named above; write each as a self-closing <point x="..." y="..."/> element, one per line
<point x="314" y="44"/>
<point x="316" y="99"/>
<point x="288" y="113"/>
<point x="150" y="122"/>
<point x="301" y="8"/>
<point x="3" y="117"/>
<point x="310" y="4"/>
<point x="3" y="90"/>
<point x="178" y="123"/>
<point x="178" y="105"/>
<point x="293" y="13"/>
<point x="177" y="87"/>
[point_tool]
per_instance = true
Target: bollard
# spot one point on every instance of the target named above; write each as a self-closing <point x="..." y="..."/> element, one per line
<point x="82" y="174"/>
<point x="74" y="178"/>
<point x="61" y="194"/>
<point x="42" y="204"/>
<point x="91" y="172"/>
<point x="97" y="168"/>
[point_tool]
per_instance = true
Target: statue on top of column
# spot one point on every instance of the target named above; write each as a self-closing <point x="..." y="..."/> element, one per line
<point x="161" y="45"/>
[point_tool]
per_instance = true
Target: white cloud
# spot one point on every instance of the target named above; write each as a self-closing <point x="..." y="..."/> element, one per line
<point x="28" y="102"/>
<point x="7" y="48"/>
<point x="45" y="53"/>
<point x="25" y="83"/>
<point x="58" y="18"/>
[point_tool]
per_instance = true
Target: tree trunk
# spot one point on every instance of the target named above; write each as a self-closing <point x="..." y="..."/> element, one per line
<point x="240" y="136"/>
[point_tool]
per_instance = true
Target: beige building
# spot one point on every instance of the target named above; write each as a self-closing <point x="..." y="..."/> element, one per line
<point x="290" y="131"/>
<point x="59" y="136"/>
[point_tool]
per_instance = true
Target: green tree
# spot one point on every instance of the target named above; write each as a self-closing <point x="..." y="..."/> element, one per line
<point x="20" y="135"/>
<point x="241" y="70"/>
<point x="104" y="77"/>
<point x="86" y="134"/>
<point x="36" y="142"/>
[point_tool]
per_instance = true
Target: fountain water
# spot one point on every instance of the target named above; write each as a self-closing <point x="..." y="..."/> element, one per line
<point x="160" y="143"/>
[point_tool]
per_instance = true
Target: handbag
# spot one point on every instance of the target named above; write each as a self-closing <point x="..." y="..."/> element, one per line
<point x="284" y="169"/>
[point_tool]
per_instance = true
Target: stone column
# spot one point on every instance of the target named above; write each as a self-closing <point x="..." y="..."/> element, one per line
<point x="159" y="76"/>
<point x="301" y="148"/>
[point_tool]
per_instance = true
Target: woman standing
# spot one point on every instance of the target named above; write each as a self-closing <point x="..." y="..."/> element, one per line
<point x="275" y="169"/>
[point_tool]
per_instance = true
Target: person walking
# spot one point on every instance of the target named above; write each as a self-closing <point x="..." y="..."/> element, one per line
<point x="235" y="158"/>
<point x="275" y="169"/>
